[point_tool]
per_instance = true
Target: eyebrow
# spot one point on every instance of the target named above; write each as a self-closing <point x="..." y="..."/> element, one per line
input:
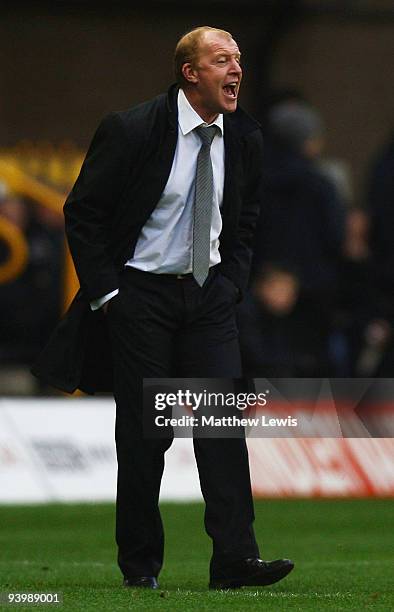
<point x="237" y="54"/>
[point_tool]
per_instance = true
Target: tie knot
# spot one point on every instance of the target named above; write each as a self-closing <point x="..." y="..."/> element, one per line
<point x="206" y="134"/>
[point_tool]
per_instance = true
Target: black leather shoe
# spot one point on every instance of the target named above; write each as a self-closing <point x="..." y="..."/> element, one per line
<point x="251" y="572"/>
<point x="145" y="582"/>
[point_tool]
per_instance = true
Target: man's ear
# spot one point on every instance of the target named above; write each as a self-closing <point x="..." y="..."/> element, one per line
<point x="189" y="73"/>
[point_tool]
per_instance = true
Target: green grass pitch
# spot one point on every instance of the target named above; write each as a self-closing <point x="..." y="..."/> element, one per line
<point x="343" y="551"/>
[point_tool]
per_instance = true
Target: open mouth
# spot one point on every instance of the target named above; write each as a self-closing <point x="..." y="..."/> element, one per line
<point x="230" y="90"/>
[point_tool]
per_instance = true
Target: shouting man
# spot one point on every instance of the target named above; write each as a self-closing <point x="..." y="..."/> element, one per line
<point x="160" y="225"/>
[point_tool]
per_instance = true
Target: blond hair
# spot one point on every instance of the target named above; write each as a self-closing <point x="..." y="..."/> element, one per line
<point x="188" y="48"/>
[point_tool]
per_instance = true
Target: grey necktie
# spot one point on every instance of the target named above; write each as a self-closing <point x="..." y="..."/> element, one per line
<point x="203" y="203"/>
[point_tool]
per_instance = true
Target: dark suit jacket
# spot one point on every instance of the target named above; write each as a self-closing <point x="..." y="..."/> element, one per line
<point x="120" y="183"/>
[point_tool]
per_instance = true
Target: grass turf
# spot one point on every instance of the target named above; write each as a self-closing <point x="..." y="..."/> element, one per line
<point x="343" y="552"/>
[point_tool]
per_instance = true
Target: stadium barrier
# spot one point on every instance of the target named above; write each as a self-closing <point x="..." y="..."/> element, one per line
<point x="63" y="450"/>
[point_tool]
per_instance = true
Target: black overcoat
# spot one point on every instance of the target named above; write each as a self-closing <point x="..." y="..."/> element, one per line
<point x="121" y="180"/>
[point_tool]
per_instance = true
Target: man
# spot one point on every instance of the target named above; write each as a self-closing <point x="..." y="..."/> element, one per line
<point x="162" y="275"/>
<point x="268" y="323"/>
<point x="303" y="227"/>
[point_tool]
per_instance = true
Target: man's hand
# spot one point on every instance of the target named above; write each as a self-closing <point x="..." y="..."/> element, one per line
<point x="104" y="307"/>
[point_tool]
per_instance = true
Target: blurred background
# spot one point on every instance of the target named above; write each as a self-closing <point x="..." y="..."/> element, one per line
<point x="318" y="74"/>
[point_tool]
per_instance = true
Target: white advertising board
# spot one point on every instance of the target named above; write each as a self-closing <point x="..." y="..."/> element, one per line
<point x="63" y="450"/>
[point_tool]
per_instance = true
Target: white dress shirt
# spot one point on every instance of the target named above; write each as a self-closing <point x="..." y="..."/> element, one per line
<point x="166" y="240"/>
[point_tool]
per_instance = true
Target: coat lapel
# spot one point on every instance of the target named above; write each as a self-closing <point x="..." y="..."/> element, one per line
<point x="231" y="156"/>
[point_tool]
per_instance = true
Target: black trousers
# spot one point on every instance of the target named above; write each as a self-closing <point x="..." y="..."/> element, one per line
<point x="164" y="326"/>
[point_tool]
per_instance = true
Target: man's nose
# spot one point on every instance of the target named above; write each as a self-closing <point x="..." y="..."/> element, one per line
<point x="235" y="67"/>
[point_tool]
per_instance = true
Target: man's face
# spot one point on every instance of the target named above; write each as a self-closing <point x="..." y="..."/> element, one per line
<point x="216" y="76"/>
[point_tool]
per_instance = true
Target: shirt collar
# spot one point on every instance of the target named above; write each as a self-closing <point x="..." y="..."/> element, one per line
<point x="188" y="119"/>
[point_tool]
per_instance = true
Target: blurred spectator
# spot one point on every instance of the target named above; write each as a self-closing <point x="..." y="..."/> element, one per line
<point x="357" y="304"/>
<point x="303" y="219"/>
<point x="302" y="223"/>
<point x="30" y="304"/>
<point x="381" y="208"/>
<point x="275" y="338"/>
<point x="278" y="96"/>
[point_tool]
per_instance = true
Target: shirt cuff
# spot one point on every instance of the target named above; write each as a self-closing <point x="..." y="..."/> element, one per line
<point x="96" y="304"/>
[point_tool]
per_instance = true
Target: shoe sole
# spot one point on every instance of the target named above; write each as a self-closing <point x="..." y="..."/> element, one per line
<point x="233" y="583"/>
